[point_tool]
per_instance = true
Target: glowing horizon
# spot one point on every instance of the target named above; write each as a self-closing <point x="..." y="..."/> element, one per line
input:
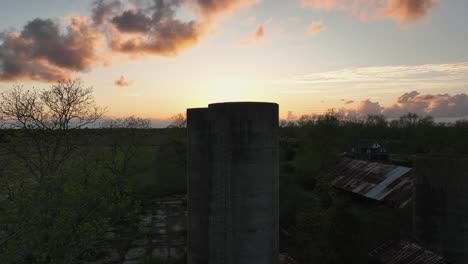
<point x="306" y="55"/>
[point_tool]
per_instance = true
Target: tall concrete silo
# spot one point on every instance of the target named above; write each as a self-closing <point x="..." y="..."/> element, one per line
<point x="243" y="224"/>
<point x="233" y="184"/>
<point x="198" y="184"/>
<point x="441" y="205"/>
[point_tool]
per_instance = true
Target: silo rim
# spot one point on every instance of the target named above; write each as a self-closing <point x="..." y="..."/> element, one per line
<point x="240" y="103"/>
<point x="198" y="109"/>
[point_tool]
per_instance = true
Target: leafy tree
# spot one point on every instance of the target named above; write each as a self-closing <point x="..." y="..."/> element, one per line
<point x="409" y="120"/>
<point x="123" y="134"/>
<point x="376" y="121"/>
<point x="321" y="144"/>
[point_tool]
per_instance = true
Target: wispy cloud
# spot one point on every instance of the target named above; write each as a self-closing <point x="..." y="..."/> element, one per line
<point x="258" y="36"/>
<point x="402" y="73"/>
<point x="248" y="21"/>
<point x="315" y="27"/>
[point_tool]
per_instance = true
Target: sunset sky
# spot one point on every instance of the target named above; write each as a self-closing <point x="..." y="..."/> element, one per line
<point x="155" y="58"/>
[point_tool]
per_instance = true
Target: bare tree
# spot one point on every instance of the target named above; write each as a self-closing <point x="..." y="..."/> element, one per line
<point x="66" y="105"/>
<point x="43" y="118"/>
<point x="178" y="121"/>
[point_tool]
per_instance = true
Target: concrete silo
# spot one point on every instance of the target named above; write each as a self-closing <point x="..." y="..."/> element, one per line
<point x="245" y="181"/>
<point x="441" y="205"/>
<point x="198" y="185"/>
<point x="244" y="188"/>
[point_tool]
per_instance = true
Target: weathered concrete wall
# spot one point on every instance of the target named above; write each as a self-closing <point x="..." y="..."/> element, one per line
<point x="245" y="174"/>
<point x="233" y="166"/>
<point x="441" y="205"/>
<point x="199" y="180"/>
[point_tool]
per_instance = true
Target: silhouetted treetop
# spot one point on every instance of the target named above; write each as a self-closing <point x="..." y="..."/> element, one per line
<point x="65" y="105"/>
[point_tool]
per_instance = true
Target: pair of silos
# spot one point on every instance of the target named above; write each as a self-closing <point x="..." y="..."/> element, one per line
<point x="233" y="184"/>
<point x="440" y="219"/>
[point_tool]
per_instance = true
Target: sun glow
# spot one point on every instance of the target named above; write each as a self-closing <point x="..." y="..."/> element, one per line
<point x="230" y="89"/>
<point x="227" y="89"/>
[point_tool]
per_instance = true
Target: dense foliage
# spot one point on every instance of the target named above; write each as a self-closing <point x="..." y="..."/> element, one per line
<point x="321" y="224"/>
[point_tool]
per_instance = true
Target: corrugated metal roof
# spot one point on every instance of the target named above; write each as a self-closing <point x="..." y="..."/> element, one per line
<point x="405" y="252"/>
<point x="382" y="182"/>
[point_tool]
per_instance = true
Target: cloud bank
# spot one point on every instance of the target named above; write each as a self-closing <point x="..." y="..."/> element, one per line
<point x="40" y="51"/>
<point x="436" y="105"/>
<point x="402" y="11"/>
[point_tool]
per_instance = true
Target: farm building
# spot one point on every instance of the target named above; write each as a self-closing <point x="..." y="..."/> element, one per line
<point x="389" y="184"/>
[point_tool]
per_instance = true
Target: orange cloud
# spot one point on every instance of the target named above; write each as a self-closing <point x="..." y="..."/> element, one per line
<point x="401" y="11"/>
<point x="147" y="29"/>
<point x="315" y="28"/>
<point x="259" y="33"/>
<point x="326" y="4"/>
<point x="257" y="36"/>
<point x="170" y="38"/>
<point x="212" y="8"/>
<point x="41" y="52"/>
<point x="123" y="82"/>
<point x="406" y="11"/>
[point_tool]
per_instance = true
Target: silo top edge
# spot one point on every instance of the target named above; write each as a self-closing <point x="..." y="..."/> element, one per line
<point x="197" y="109"/>
<point x="247" y="103"/>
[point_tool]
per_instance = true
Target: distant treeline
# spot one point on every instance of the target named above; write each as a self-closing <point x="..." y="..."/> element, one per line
<point x="330" y="135"/>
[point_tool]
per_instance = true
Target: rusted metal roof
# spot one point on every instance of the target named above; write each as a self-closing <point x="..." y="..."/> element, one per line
<point x="387" y="183"/>
<point x="405" y="252"/>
